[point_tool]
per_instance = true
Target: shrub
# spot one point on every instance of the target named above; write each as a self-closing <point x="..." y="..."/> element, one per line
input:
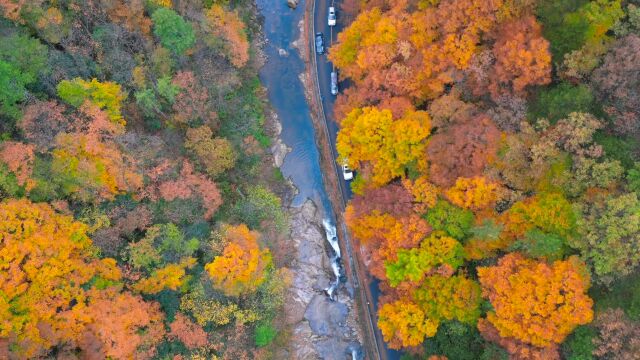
<point x="265" y="333"/>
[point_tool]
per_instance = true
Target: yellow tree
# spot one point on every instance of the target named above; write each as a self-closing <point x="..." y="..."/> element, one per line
<point x="90" y="169"/>
<point x="372" y="136"/>
<point x="548" y="212"/>
<point x="106" y="95"/>
<point x="172" y="276"/>
<point x="474" y="193"/>
<point x="242" y="266"/>
<point x="448" y="298"/>
<point x="536" y="302"/>
<point x="47" y="261"/>
<point x="404" y="324"/>
<point x="358" y="36"/>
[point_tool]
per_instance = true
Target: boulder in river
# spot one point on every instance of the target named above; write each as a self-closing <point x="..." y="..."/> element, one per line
<point x="293" y="3"/>
<point x="326" y="317"/>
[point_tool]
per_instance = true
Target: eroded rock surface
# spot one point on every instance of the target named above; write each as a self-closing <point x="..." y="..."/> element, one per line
<point x="322" y="328"/>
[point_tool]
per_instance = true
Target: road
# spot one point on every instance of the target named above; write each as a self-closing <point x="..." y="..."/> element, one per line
<point x="324" y="67"/>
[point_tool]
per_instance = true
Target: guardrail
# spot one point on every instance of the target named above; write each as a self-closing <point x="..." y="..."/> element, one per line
<point x="354" y="268"/>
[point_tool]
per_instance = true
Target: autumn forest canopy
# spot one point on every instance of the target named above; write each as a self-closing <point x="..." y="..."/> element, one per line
<point x="496" y="148"/>
<point x="496" y="145"/>
<point x="138" y="204"/>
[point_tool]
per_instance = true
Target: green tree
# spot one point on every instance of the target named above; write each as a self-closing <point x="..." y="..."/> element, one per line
<point x="559" y="101"/>
<point x="9" y="186"/>
<point x="570" y="24"/>
<point x="565" y="31"/>
<point x="633" y="178"/>
<point x="621" y="148"/>
<point x="147" y="101"/>
<point x="579" y="345"/>
<point x="451" y="219"/>
<point x="541" y="245"/>
<point x="162" y="244"/>
<point x="493" y="352"/>
<point x="624" y="293"/>
<point x="167" y="89"/>
<point x="455" y="341"/>
<point x="610" y="236"/>
<point x="412" y="264"/>
<point x="22" y="58"/>
<point x="174" y="32"/>
<point x="260" y="205"/>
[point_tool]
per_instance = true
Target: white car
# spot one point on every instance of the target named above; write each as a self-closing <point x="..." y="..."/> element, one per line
<point x="347" y="173"/>
<point x="332" y="16"/>
<point x="334" y="83"/>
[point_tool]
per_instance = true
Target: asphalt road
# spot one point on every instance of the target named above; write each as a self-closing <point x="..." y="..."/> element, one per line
<point x="324" y="69"/>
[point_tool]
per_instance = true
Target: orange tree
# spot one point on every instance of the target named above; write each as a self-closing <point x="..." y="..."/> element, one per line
<point x="536" y="302"/>
<point x="47" y="263"/>
<point x="382" y="236"/>
<point x="123" y="326"/>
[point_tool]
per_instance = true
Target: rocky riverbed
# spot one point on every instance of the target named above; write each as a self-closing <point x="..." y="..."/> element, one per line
<point x="322" y="328"/>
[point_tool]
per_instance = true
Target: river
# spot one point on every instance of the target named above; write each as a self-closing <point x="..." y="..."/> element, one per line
<point x="285" y="91"/>
<point x="280" y="75"/>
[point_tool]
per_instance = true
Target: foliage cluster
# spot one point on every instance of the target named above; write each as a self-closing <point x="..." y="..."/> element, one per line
<point x="502" y="137"/>
<point x="137" y="211"/>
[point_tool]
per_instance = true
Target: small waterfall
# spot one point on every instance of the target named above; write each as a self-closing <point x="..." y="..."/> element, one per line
<point x="332" y="238"/>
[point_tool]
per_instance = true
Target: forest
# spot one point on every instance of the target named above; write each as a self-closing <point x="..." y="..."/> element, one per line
<point x="496" y="146"/>
<point x="139" y="209"/>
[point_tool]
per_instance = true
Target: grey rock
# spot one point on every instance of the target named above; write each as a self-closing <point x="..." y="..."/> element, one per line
<point x="326" y="317"/>
<point x="333" y="349"/>
<point x="279" y="151"/>
<point x="293" y="3"/>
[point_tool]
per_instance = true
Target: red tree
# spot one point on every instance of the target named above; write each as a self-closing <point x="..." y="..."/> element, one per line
<point x="462" y="150"/>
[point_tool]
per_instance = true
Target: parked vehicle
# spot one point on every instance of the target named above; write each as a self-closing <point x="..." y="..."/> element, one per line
<point x="332" y="16"/>
<point x="319" y="43"/>
<point x="347" y="173"/>
<point x="334" y="83"/>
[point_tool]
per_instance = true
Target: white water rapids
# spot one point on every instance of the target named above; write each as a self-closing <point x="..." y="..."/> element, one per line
<point x="336" y="265"/>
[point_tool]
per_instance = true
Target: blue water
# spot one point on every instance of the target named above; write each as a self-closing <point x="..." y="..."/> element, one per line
<point x="286" y="94"/>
